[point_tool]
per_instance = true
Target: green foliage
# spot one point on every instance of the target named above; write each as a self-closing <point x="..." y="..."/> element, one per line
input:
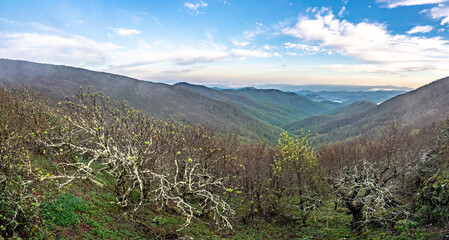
<point x="63" y="210"/>
<point x="296" y="151"/>
<point x="250" y="181"/>
<point x="295" y="172"/>
<point x="21" y="119"/>
<point x="442" y="140"/>
<point x="272" y="106"/>
<point x="432" y="201"/>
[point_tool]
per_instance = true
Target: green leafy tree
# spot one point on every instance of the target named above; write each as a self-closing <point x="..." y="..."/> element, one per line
<point x="295" y="172"/>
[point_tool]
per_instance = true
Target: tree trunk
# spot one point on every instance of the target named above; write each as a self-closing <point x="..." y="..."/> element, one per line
<point x="356" y="210"/>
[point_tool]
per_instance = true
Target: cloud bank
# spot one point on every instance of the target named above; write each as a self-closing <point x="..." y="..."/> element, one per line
<point x="372" y="44"/>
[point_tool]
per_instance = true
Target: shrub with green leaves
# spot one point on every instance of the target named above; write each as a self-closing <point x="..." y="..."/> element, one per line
<point x="295" y="173"/>
<point x="63" y="210"/>
<point x="432" y="201"/>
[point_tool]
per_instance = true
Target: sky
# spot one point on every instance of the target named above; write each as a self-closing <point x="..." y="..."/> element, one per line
<point x="236" y="42"/>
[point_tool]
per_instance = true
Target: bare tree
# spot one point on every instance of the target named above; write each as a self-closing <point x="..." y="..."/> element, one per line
<point x="144" y="157"/>
<point x="366" y="173"/>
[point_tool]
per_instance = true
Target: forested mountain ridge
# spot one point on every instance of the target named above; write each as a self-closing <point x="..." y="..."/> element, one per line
<point x="90" y="167"/>
<point x="417" y="109"/>
<point x="317" y="123"/>
<point x="258" y="114"/>
<point x="273" y="106"/>
<point x="161" y="101"/>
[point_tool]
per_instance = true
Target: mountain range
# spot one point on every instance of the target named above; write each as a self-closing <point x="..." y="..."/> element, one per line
<point x="161" y="101"/>
<point x="257" y="114"/>
<point x="273" y="106"/>
<point x="416" y="109"/>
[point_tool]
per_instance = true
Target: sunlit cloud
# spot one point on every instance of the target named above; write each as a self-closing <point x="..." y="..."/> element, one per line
<point x="439" y="12"/>
<point x="420" y="29"/>
<point x="240" y="44"/>
<point x="76" y="51"/>
<point x="45" y="27"/>
<point x="342" y="11"/>
<point x="399" y="3"/>
<point x="6" y="21"/>
<point x="195" y="6"/>
<point x="304" y="49"/>
<point x="372" y="43"/>
<point x="245" y="53"/>
<point x="124" y="31"/>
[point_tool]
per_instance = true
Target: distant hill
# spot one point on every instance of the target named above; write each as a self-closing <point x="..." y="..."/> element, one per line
<point x="273" y="106"/>
<point x="417" y="108"/>
<point x="332" y="88"/>
<point x="349" y="97"/>
<point x="321" y="123"/>
<point x="161" y="101"/>
<point x="356" y="107"/>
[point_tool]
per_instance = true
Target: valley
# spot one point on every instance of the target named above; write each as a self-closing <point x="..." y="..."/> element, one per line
<point x="263" y="163"/>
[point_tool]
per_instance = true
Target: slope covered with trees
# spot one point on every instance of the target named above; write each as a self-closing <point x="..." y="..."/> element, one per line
<point x="273" y="106"/>
<point x="162" y="101"/>
<point x="417" y="109"/>
<point x="90" y="166"/>
<point x="94" y="168"/>
<point x="319" y="123"/>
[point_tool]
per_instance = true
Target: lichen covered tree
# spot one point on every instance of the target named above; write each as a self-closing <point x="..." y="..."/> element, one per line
<point x="367" y="174"/>
<point x="166" y="163"/>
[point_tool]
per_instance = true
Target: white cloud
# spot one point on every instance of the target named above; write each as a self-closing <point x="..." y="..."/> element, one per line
<point x="245" y="53"/>
<point x="399" y="3"/>
<point x="144" y="54"/>
<point x="420" y="29"/>
<point x="124" y="31"/>
<point x="138" y="61"/>
<point x="75" y="51"/>
<point x="372" y="43"/>
<point x="195" y="6"/>
<point x="240" y="44"/>
<point x="369" y="68"/>
<point x="342" y="11"/>
<point x="35" y="25"/>
<point x="439" y="12"/>
<point x="6" y="21"/>
<point x="268" y="47"/>
<point x="304" y="49"/>
<point x="44" y="27"/>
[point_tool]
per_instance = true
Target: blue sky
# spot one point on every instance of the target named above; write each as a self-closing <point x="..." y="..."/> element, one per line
<point x="236" y="42"/>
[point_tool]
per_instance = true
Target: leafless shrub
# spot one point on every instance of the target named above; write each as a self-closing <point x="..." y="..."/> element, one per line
<point x="163" y="162"/>
<point x="368" y="174"/>
<point x="22" y="115"/>
<point x="252" y="179"/>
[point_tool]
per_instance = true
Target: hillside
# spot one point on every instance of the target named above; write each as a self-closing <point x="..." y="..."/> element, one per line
<point x="273" y="106"/>
<point x="316" y="123"/>
<point x="417" y="108"/>
<point x="75" y="165"/>
<point x="349" y="97"/>
<point x="161" y="101"/>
